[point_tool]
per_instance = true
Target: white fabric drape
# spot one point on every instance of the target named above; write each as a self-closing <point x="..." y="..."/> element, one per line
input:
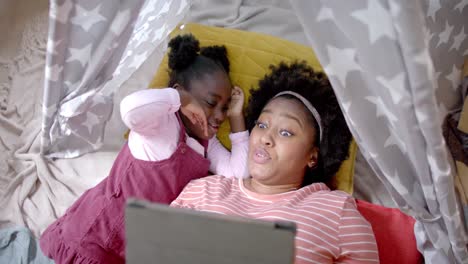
<point x="93" y="47"/>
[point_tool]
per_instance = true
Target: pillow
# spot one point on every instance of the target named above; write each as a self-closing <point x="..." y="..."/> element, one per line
<point x="250" y="55"/>
<point x="394" y="233"/>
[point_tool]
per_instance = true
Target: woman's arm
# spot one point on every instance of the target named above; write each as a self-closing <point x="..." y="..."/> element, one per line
<point x="230" y="164"/>
<point x="146" y="110"/>
<point x="356" y="238"/>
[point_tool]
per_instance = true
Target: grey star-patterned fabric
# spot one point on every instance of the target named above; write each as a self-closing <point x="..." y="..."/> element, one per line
<point x="395" y="67"/>
<point x="93" y="47"/>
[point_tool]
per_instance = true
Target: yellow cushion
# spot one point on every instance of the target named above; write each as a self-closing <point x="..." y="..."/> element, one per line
<point x="250" y="54"/>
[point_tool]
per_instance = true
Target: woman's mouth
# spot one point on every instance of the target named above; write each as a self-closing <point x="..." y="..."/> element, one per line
<point x="261" y="156"/>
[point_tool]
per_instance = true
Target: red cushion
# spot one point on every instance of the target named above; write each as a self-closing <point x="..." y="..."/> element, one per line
<point x="394" y="232"/>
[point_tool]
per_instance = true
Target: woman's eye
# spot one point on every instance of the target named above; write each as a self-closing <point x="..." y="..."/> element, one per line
<point x="285" y="133"/>
<point x="260" y="124"/>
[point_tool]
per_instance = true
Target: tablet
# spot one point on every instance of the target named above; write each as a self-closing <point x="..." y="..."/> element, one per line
<point x="157" y="233"/>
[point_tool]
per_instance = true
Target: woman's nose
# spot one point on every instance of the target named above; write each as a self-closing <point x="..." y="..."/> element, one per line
<point x="267" y="139"/>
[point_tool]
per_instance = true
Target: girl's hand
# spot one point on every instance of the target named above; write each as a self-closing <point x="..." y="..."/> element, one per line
<point x="237" y="102"/>
<point x="193" y="111"/>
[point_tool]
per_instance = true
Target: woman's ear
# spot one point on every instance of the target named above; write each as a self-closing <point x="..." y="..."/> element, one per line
<point x="313" y="158"/>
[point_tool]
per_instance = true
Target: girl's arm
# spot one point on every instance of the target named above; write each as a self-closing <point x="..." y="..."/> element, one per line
<point x="224" y="162"/>
<point x="230" y="164"/>
<point x="146" y="110"/>
<point x="235" y="112"/>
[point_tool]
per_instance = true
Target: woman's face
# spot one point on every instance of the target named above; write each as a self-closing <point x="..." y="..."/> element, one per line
<point x="281" y="143"/>
<point x="213" y="93"/>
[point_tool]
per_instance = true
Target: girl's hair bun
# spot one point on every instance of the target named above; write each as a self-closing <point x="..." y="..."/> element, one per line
<point x="184" y="51"/>
<point x="217" y="54"/>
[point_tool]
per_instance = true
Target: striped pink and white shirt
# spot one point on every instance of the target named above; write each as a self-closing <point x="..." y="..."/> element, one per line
<point x="329" y="227"/>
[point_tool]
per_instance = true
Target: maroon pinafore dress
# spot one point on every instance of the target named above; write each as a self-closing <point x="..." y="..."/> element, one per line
<point x="92" y="229"/>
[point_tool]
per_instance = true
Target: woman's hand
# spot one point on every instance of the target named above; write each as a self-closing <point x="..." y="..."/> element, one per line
<point x="193" y="110"/>
<point x="237" y="102"/>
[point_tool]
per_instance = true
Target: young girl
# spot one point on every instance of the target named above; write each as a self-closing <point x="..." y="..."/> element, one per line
<point x="166" y="149"/>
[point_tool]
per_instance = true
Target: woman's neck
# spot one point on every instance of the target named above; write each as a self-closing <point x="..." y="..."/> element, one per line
<point x="255" y="186"/>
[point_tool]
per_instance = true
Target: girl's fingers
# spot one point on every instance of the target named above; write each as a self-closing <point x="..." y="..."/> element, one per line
<point x="193" y="119"/>
<point x="201" y="118"/>
<point x="204" y="124"/>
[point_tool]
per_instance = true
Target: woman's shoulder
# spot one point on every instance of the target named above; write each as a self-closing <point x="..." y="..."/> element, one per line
<point x="337" y="198"/>
<point x="214" y="181"/>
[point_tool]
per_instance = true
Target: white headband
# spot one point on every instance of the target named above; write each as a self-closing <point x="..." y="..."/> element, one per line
<point x="309" y="106"/>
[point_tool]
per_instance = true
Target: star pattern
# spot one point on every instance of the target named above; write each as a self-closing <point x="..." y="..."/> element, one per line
<point x="71" y="86"/>
<point x="100" y="99"/>
<point x="81" y="55"/>
<point x="395" y="86"/>
<point x="382" y="110"/>
<point x="147" y="9"/>
<point x="395" y="140"/>
<point x="341" y="62"/>
<point x="82" y="23"/>
<point x="376" y="12"/>
<point x="379" y="23"/>
<point x="454" y="77"/>
<point x="461" y="5"/>
<point x="421" y="114"/>
<point x="427" y="36"/>
<point x="160" y="33"/>
<point x="86" y="19"/>
<point x="445" y="35"/>
<point x="458" y="39"/>
<point x="397" y="183"/>
<point x="434" y="6"/>
<point x="165" y="8"/>
<point x="325" y="13"/>
<point x="138" y="59"/>
<point x="91" y="121"/>
<point x="436" y="166"/>
<point x="142" y="37"/>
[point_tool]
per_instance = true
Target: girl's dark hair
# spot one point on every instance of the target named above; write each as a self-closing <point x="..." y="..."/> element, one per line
<point x="315" y="87"/>
<point x="187" y="61"/>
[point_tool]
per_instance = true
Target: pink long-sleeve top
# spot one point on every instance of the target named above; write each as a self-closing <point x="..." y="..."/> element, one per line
<point x="150" y="115"/>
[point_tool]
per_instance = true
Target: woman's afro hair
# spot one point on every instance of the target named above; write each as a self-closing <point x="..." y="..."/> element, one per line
<point x="315" y="87"/>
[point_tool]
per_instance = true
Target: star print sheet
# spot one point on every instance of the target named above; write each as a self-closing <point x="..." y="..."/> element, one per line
<point x="61" y="112"/>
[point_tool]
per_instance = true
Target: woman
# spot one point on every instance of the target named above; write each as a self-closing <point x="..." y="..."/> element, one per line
<point x="296" y="146"/>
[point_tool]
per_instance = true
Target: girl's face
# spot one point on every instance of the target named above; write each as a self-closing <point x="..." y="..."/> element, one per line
<point x="213" y="93"/>
<point x="281" y="144"/>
